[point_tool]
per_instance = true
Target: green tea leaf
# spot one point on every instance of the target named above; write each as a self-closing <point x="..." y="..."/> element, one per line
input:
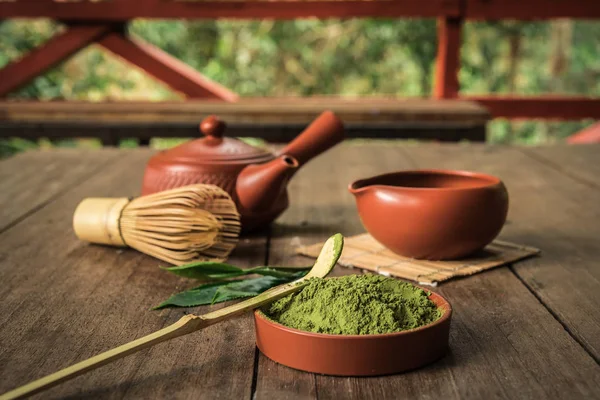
<point x="251" y="287"/>
<point x="208" y="270"/>
<point x="275" y="272"/>
<point x="224" y="291"/>
<point x="198" y="296"/>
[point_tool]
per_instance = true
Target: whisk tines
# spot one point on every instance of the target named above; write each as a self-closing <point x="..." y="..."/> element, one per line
<point x="190" y="223"/>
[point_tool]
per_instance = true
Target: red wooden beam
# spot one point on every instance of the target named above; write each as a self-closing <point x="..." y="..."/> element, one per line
<point x="446" y="85"/>
<point x="128" y="9"/>
<point x="531" y="9"/>
<point x="123" y="10"/>
<point x="176" y="74"/>
<point x="546" y="107"/>
<point x="55" y="50"/>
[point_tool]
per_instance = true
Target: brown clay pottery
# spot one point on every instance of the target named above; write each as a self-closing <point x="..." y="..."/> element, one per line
<point x="255" y="178"/>
<point x="432" y="214"/>
<point x="355" y="355"/>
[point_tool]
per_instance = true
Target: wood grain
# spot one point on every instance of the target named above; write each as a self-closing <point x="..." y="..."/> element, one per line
<point x="580" y="162"/>
<point x="248" y="110"/>
<point x="31" y="179"/>
<point x="64" y="301"/>
<point x="282" y="132"/>
<point x="549" y="210"/>
<point x="273" y="119"/>
<point x="501" y="334"/>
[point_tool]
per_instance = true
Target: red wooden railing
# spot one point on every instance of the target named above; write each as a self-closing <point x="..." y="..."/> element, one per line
<point x="103" y="22"/>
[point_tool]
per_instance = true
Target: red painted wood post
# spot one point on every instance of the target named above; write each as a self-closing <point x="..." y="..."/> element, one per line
<point x="446" y="85"/>
<point x="55" y="50"/>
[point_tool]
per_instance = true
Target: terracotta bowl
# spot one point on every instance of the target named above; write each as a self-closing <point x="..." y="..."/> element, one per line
<point x="432" y="214"/>
<point x="355" y="355"/>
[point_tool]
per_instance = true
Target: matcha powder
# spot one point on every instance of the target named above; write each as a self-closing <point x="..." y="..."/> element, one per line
<point x="355" y="305"/>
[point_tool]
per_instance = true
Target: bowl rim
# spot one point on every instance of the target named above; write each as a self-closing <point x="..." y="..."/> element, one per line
<point x="443" y="303"/>
<point x="492" y="180"/>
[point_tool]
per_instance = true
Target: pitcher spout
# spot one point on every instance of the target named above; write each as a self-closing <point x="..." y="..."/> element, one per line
<point x="258" y="187"/>
<point x="360" y="187"/>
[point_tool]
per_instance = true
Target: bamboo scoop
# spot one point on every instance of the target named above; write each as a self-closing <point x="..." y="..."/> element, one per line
<point x="190" y="323"/>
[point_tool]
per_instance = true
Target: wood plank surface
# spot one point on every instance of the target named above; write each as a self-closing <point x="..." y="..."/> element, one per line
<point x="64" y="300"/>
<point x="504" y="343"/>
<point x="580" y="162"/>
<point x="549" y="210"/>
<point x="31" y="179"/>
<point x="517" y="332"/>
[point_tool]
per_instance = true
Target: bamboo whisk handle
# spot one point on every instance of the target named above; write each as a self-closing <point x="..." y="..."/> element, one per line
<point x="96" y="220"/>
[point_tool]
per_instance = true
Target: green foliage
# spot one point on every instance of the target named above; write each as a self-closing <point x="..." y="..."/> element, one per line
<point x="15" y="145"/>
<point x="211" y="293"/>
<point x="222" y="287"/>
<point x="210" y="270"/>
<point x="350" y="57"/>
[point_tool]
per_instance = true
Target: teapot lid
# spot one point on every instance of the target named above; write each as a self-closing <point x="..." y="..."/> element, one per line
<point x="214" y="148"/>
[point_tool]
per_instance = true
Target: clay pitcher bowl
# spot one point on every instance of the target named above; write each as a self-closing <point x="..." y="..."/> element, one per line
<point x="432" y="214"/>
<point x="255" y="178"/>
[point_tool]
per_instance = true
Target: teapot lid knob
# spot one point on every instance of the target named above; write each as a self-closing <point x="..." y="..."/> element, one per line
<point x="212" y="126"/>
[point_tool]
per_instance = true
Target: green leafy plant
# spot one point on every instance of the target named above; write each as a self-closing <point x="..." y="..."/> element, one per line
<point x="222" y="287"/>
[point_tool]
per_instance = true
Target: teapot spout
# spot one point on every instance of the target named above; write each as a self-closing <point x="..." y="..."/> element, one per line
<point x="323" y="133"/>
<point x="258" y="187"/>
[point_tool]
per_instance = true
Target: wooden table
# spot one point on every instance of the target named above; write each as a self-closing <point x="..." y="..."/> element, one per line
<point x="530" y="330"/>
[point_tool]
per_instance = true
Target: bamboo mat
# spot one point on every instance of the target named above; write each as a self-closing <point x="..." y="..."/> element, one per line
<point x="364" y="252"/>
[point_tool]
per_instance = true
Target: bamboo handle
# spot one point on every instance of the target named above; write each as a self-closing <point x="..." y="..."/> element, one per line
<point x="185" y="325"/>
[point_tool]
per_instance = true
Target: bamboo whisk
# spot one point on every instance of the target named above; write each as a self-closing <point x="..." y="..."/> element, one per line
<point x="190" y="223"/>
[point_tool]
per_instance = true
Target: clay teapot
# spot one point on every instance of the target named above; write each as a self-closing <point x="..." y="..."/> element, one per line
<point x="255" y="178"/>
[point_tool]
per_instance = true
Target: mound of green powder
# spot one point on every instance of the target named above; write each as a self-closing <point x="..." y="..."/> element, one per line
<point x="355" y="305"/>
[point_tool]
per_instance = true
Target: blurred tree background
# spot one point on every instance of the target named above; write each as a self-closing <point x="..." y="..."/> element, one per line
<point x="347" y="57"/>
